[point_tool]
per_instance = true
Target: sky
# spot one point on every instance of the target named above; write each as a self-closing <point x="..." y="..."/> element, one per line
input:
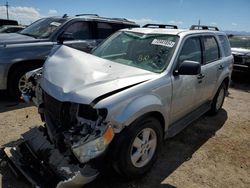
<point x="231" y="15"/>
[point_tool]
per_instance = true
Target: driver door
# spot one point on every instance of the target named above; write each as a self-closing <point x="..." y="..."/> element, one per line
<point x="186" y="95"/>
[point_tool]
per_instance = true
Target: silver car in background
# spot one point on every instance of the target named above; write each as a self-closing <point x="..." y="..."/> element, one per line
<point x="117" y="104"/>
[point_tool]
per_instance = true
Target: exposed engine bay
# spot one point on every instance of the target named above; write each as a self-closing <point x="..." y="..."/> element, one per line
<point x="72" y="135"/>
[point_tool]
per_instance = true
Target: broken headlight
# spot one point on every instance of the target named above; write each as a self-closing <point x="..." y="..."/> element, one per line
<point x="92" y="134"/>
<point x="92" y="149"/>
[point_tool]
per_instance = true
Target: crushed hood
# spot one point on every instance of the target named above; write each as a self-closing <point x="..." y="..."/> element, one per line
<point x="75" y="76"/>
<point x="240" y="51"/>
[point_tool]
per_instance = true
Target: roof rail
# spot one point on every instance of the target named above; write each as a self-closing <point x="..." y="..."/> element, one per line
<point x="96" y="15"/>
<point x="122" y="19"/>
<point x="203" y="27"/>
<point x="161" y="26"/>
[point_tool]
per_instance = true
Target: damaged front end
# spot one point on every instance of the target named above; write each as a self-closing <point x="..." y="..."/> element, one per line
<point x="76" y="134"/>
<point x="59" y="153"/>
<point x="45" y="166"/>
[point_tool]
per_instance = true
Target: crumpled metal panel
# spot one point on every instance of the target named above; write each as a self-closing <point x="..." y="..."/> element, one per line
<point x="42" y="153"/>
<point x="72" y="75"/>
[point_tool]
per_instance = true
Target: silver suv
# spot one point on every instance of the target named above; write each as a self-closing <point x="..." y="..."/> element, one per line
<point x="117" y="104"/>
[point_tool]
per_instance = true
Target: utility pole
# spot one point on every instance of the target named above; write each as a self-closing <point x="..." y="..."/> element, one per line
<point x="7" y="9"/>
<point x="199" y="22"/>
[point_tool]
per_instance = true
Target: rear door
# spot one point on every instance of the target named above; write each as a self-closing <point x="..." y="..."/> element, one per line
<point x="210" y="68"/>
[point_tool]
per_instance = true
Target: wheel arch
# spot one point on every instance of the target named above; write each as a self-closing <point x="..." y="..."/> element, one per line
<point x="35" y="63"/>
<point x="157" y="115"/>
<point x="226" y="81"/>
<point x="139" y="107"/>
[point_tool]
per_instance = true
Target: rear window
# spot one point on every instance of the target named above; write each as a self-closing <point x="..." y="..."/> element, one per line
<point x="225" y="45"/>
<point x="211" y="49"/>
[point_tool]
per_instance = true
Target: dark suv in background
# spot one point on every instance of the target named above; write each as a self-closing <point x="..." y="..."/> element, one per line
<point x="28" y="49"/>
<point x="241" y="51"/>
<point x="8" y="22"/>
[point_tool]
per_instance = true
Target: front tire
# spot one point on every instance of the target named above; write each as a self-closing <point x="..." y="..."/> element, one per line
<point x="17" y="82"/>
<point x="136" y="147"/>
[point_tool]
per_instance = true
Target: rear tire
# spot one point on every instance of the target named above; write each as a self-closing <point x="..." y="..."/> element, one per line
<point x="218" y="99"/>
<point x="14" y="78"/>
<point x="134" y="156"/>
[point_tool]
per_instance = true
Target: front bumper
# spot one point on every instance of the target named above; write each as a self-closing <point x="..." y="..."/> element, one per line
<point x="44" y="166"/>
<point x="241" y="68"/>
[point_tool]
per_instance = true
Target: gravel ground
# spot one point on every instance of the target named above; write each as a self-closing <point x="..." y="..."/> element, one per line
<point x="214" y="151"/>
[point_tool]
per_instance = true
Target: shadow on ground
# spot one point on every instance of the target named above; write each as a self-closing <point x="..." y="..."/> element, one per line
<point x="7" y="104"/>
<point x="174" y="153"/>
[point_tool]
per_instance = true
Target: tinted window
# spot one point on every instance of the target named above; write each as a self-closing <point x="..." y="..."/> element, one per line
<point x="79" y="30"/>
<point x="225" y="45"/>
<point x="191" y="50"/>
<point x="104" y="30"/>
<point x="8" y="22"/>
<point x="211" y="49"/>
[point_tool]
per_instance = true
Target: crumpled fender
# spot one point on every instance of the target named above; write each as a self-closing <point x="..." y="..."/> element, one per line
<point x="137" y="108"/>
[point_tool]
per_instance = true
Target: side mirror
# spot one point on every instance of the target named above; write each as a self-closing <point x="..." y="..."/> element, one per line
<point x="189" y="68"/>
<point x="64" y="37"/>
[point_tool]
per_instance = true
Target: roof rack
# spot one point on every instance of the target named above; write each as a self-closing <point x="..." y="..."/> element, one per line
<point x="122" y="19"/>
<point x="203" y="27"/>
<point x="96" y="15"/>
<point x="160" y="26"/>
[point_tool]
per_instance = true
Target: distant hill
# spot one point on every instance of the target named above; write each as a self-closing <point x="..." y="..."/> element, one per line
<point x="242" y="33"/>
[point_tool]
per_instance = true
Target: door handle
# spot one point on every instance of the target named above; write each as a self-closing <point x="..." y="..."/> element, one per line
<point x="200" y="76"/>
<point x="221" y="67"/>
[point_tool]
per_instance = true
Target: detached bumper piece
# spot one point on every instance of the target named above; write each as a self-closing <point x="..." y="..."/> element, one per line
<point x="44" y="166"/>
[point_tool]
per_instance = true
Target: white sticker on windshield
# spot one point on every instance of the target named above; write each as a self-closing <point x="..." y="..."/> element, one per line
<point x="166" y="43"/>
<point x="55" y="24"/>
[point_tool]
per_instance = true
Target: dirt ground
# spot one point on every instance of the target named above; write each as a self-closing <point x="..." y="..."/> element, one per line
<point x="214" y="151"/>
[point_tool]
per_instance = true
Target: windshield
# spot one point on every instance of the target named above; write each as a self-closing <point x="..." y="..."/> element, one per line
<point x="43" y="28"/>
<point x="150" y="52"/>
<point x="240" y="42"/>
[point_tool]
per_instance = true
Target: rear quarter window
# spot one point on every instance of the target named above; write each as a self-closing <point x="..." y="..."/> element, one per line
<point x="225" y="45"/>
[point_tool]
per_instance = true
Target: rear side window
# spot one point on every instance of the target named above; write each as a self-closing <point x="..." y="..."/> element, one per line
<point x="104" y="30"/>
<point x="191" y="50"/>
<point x="211" y="48"/>
<point x="225" y="45"/>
